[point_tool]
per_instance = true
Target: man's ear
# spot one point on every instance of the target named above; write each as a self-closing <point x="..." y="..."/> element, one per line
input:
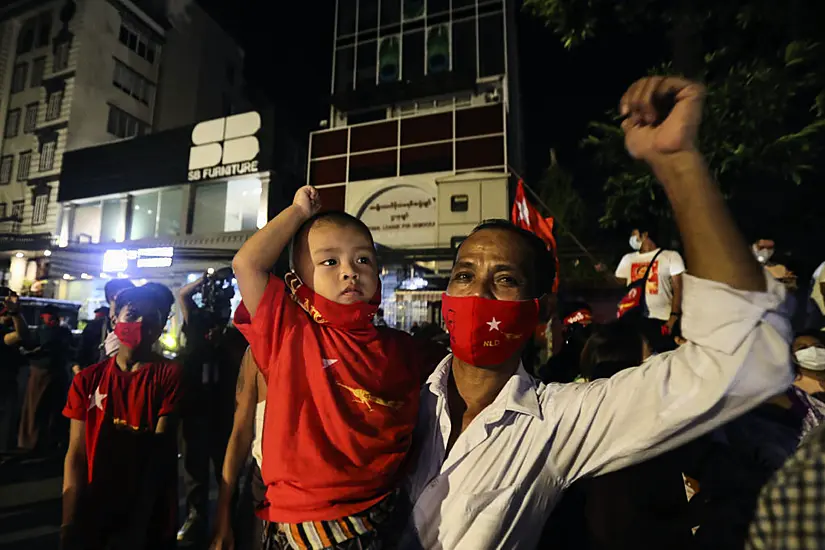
<point x="547" y="307"/>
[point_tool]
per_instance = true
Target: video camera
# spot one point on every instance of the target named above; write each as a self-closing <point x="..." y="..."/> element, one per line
<point x="217" y="292"/>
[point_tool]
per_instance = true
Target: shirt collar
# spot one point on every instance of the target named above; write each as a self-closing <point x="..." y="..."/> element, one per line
<point x="518" y="394"/>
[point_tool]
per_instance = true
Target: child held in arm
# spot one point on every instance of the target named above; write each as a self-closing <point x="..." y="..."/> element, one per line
<point x="120" y="474"/>
<point x="342" y="394"/>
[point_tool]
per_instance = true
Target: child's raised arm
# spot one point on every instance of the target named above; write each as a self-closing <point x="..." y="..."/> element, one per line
<point x="256" y="257"/>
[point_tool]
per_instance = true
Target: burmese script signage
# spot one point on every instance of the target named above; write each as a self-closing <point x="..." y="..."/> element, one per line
<point x="402" y="216"/>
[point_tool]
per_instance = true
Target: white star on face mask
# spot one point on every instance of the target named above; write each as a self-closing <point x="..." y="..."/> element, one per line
<point x="494" y="324"/>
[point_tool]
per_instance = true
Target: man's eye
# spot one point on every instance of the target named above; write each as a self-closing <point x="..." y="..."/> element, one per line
<point x="507" y="280"/>
<point x="363" y="260"/>
<point x="330" y="263"/>
<point x="462" y="276"/>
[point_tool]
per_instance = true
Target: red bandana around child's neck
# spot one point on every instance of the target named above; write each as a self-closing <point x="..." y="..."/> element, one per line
<point x="354" y="316"/>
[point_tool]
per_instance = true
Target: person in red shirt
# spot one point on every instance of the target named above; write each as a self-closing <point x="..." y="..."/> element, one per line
<point x="120" y="473"/>
<point x="342" y="394"/>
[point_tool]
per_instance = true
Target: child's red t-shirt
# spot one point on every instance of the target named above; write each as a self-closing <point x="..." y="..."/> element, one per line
<point x="121" y="411"/>
<point x="341" y="408"/>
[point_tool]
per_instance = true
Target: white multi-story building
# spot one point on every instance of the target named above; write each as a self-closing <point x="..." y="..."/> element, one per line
<point x="80" y="73"/>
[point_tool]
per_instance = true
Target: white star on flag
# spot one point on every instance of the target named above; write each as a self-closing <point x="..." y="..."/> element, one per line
<point x="96" y="400"/>
<point x="329" y="362"/>
<point x="494" y="324"/>
<point x="523" y="212"/>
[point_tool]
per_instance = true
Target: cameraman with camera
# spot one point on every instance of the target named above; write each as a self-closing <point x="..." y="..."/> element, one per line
<point x="211" y="358"/>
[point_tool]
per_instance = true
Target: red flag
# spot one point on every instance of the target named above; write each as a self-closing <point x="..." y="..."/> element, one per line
<point x="527" y="216"/>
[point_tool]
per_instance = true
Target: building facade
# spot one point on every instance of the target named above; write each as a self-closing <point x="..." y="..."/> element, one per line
<point x="79" y="73"/>
<point x="169" y="206"/>
<point x="424" y="128"/>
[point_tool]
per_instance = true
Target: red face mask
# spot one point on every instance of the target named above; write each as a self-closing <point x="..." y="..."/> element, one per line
<point x="357" y="316"/>
<point x="129" y="334"/>
<point x="485" y="332"/>
<point x="49" y="319"/>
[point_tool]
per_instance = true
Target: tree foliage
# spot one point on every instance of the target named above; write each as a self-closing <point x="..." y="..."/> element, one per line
<point x="765" y="112"/>
<point x="556" y="190"/>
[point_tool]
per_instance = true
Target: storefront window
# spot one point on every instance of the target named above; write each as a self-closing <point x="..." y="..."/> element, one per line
<point x="214" y="214"/>
<point x="171" y="208"/>
<point x="144" y="216"/>
<point x="86" y="223"/>
<point x="111" y="228"/>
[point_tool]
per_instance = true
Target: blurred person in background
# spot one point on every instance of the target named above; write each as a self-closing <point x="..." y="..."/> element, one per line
<point x="809" y="359"/>
<point x="48" y="352"/>
<point x="663" y="288"/>
<point x="731" y="464"/>
<point x="89" y="351"/>
<point x="211" y="359"/>
<point x="641" y="506"/>
<point x="576" y="320"/>
<point x="13" y="332"/>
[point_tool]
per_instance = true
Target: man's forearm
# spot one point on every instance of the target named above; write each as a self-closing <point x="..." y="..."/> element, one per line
<point x="74" y="480"/>
<point x="676" y="303"/>
<point x="236" y="452"/>
<point x="20" y="327"/>
<point x="714" y="247"/>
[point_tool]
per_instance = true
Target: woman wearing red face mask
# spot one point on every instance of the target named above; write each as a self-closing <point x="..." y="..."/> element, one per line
<point x="48" y="352"/>
<point x="120" y="474"/>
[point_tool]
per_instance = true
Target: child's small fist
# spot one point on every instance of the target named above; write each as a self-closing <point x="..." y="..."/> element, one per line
<point x="308" y="200"/>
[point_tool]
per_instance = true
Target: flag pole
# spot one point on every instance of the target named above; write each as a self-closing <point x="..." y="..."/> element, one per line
<point x="555" y="219"/>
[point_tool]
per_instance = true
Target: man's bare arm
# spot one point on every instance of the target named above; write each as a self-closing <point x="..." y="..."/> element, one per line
<point x="21" y="331"/>
<point x="187" y="304"/>
<point x="714" y="247"/>
<point x="240" y="441"/>
<point x="74" y="470"/>
<point x="260" y="252"/>
<point x="676" y="302"/>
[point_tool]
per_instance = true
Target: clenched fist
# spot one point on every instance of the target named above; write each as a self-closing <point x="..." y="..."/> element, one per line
<point x="308" y="200"/>
<point x="663" y="116"/>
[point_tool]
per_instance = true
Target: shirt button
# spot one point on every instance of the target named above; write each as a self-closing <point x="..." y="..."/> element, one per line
<point x="432" y="484"/>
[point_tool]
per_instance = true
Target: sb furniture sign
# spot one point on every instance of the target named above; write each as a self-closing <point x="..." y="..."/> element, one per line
<point x="225" y="147"/>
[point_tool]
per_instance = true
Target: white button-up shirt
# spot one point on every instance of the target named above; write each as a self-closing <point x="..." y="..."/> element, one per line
<point x="508" y="469"/>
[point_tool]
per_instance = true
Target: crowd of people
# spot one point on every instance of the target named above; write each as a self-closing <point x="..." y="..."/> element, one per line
<point x="691" y="421"/>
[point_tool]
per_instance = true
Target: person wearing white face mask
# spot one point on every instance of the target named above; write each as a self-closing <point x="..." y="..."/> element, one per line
<point x="763" y="250"/>
<point x="663" y="290"/>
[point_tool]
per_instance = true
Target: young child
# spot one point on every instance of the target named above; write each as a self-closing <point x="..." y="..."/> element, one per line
<point x="342" y="394"/>
<point x="120" y="474"/>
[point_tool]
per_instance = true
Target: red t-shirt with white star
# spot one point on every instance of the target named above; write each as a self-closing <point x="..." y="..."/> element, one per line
<point x="341" y="408"/>
<point x="121" y="412"/>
